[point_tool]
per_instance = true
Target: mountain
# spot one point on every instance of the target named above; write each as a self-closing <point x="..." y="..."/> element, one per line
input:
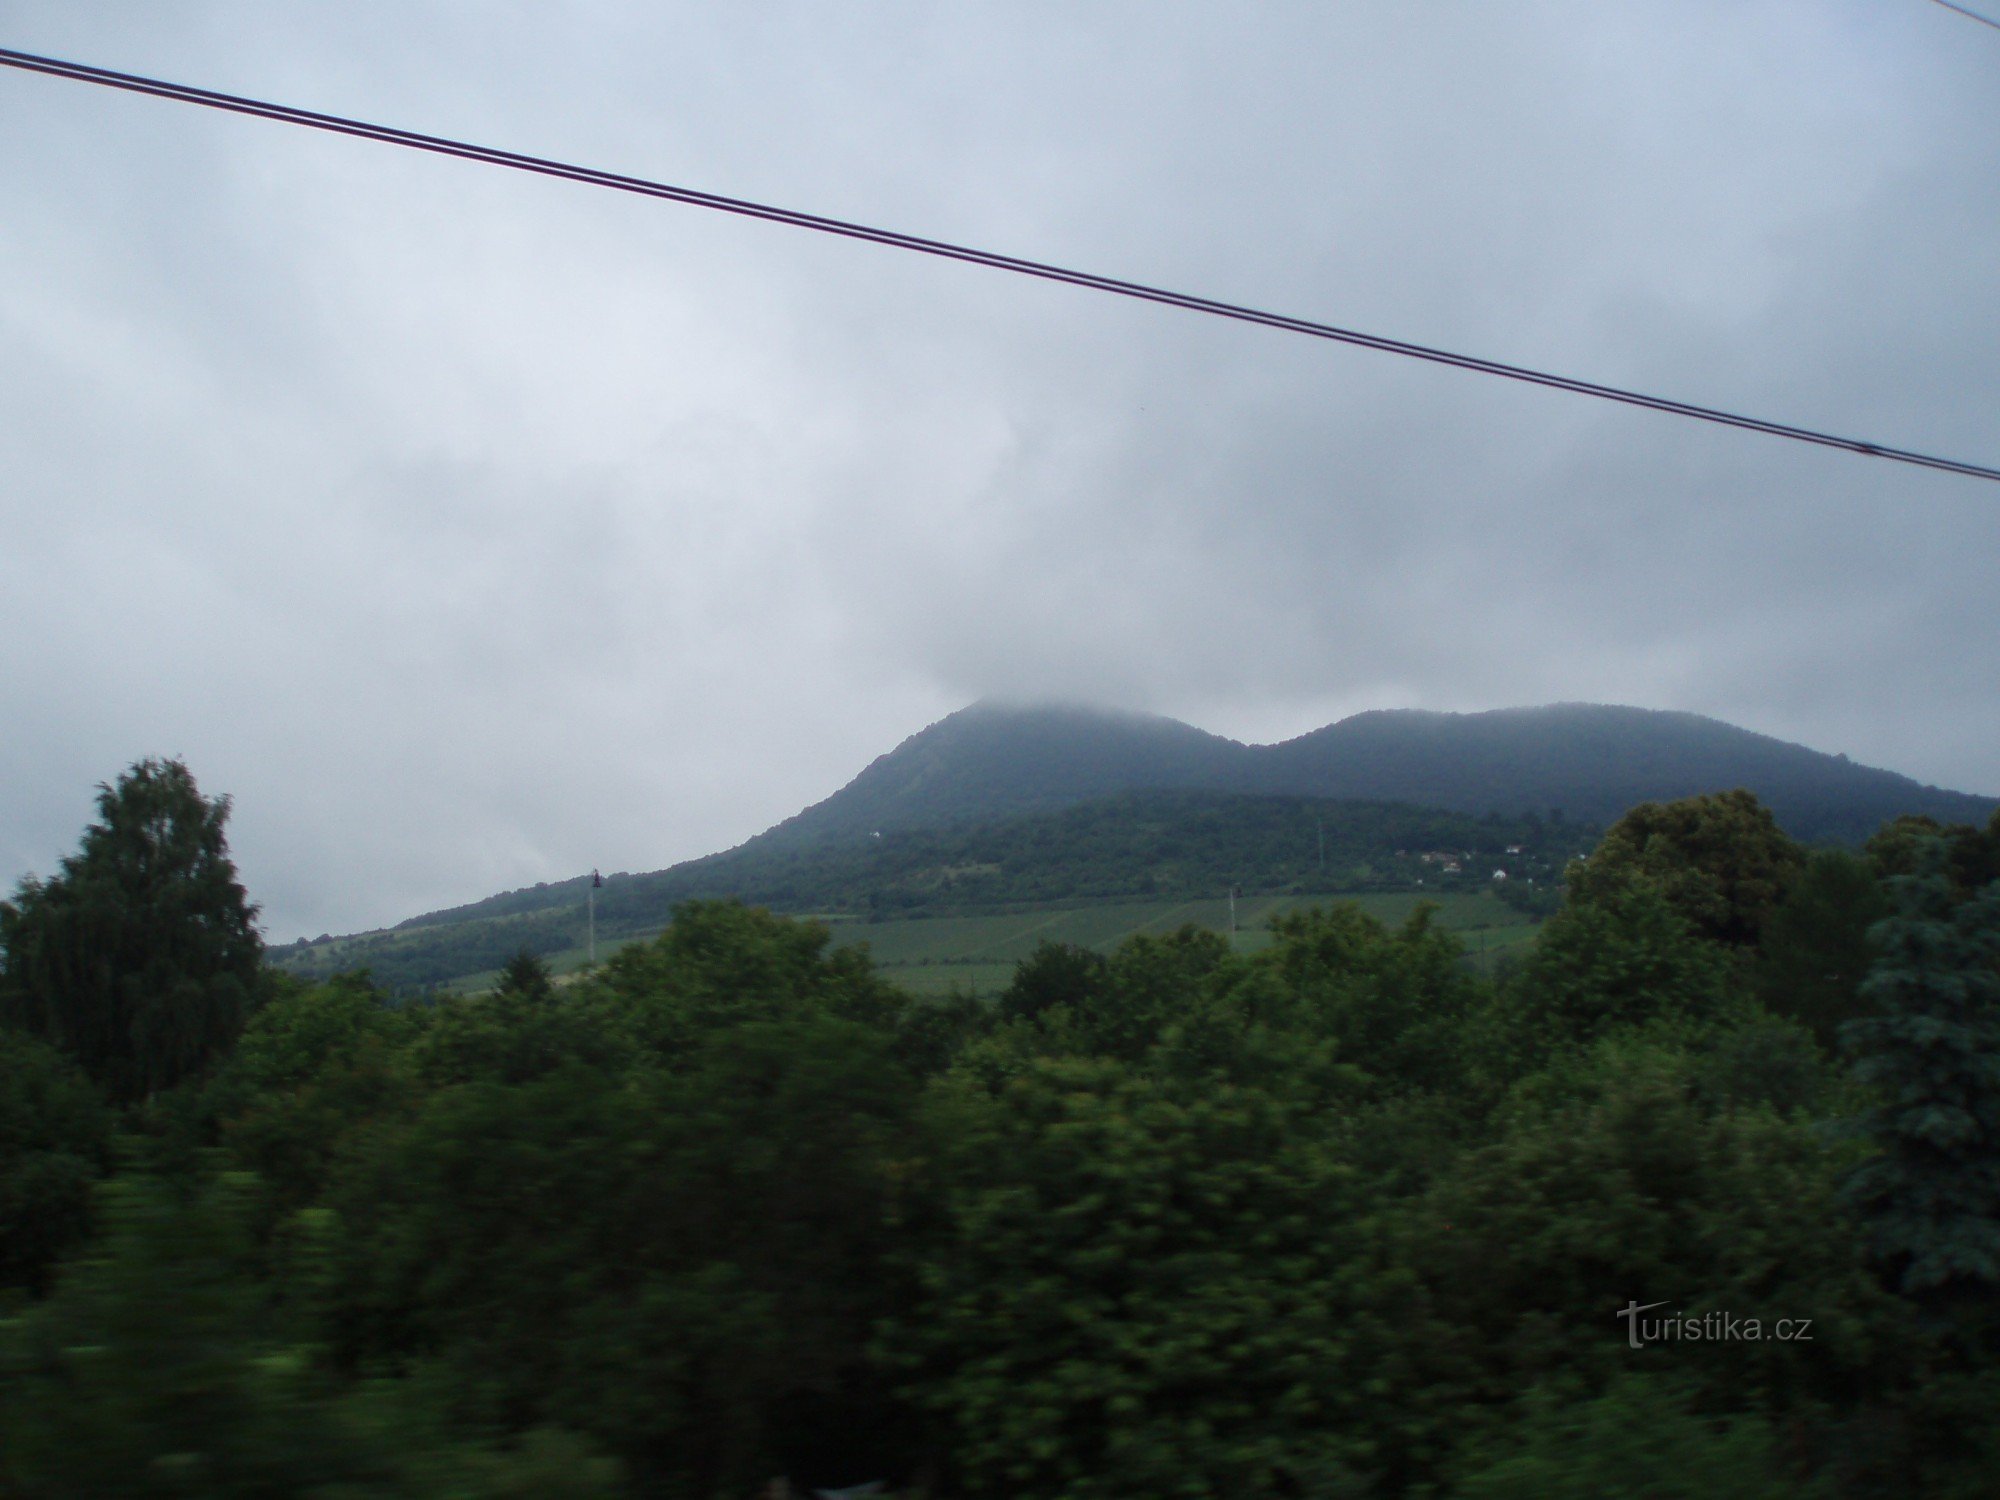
<point x="1009" y="803"/>
<point x="996" y="759"/>
<point x="1593" y="761"/>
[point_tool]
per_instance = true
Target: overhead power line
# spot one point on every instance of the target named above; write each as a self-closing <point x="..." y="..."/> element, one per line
<point x="645" y="187"/>
<point x="1971" y="14"/>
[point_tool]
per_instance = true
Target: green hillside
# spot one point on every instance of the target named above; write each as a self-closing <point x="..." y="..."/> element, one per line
<point x="1179" y="846"/>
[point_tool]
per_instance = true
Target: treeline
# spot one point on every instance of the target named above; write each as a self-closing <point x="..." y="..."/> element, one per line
<point x="1702" y="1198"/>
<point x="1139" y="844"/>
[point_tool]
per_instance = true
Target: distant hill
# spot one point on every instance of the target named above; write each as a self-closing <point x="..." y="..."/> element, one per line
<point x="1004" y="803"/>
<point x="1593" y="761"/>
<point x="994" y="760"/>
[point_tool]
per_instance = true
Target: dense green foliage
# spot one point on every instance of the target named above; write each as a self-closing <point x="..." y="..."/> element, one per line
<point x="1337" y="1217"/>
<point x="163" y="1370"/>
<point x="1815" y="953"/>
<point x="1932" y="1054"/>
<point x="55" y="1141"/>
<point x="1719" y="860"/>
<point x="1907" y="846"/>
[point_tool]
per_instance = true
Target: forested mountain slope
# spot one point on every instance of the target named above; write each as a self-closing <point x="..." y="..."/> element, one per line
<point x="994" y="759"/>
<point x="1591" y="760"/>
<point x="1594" y="761"/>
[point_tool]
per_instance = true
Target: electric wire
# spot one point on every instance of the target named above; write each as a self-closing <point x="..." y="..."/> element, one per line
<point x="894" y="239"/>
<point x="1970" y="14"/>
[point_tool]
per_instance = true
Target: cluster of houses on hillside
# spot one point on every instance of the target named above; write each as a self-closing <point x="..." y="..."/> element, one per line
<point x="1454" y="862"/>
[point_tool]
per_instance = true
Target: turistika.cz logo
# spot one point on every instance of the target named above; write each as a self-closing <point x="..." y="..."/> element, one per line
<point x="1710" y="1327"/>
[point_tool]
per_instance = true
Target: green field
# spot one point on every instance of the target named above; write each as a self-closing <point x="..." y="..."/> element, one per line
<point x="940" y="955"/>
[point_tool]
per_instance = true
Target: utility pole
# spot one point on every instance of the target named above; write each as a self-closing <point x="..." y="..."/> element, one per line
<point x="1232" y="916"/>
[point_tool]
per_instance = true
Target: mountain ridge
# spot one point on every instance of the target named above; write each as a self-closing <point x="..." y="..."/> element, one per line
<point x="998" y="758"/>
<point x="975" y="808"/>
<point x="1593" y="760"/>
<point x="1028" y="763"/>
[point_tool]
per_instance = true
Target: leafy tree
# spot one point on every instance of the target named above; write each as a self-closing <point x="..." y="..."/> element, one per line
<point x="1054" y="974"/>
<point x="315" y="1064"/>
<point x="1139" y="1288"/>
<point x="1971" y="862"/>
<point x="1610" y="1179"/>
<point x="1150" y="983"/>
<point x="1931" y="1200"/>
<point x="141" y="959"/>
<point x="653" y="1208"/>
<point x="1898" y="846"/>
<point x="676" y="1263"/>
<point x="528" y="976"/>
<point x="513" y="1035"/>
<point x="1720" y="860"/>
<point x="930" y="1035"/>
<point x="723" y="964"/>
<point x="1393" y="1001"/>
<point x="1624" y="957"/>
<point x="472" y="1234"/>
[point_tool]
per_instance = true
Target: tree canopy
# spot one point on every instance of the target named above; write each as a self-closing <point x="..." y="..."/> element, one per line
<point x="1720" y="860"/>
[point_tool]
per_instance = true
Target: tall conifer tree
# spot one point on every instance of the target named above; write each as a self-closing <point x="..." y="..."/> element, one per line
<point x="141" y="958"/>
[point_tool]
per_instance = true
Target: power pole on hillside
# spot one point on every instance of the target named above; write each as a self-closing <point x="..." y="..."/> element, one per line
<point x="595" y="881"/>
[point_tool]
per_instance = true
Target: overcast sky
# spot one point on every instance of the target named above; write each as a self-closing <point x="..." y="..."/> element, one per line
<point x="472" y="529"/>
